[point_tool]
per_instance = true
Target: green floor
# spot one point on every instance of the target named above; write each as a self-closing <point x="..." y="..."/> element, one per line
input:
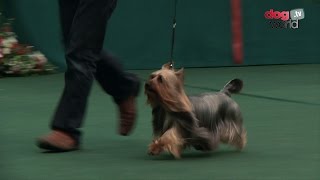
<point x="283" y="133"/>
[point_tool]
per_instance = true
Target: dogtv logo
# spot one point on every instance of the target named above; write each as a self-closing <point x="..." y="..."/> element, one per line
<point x="284" y="19"/>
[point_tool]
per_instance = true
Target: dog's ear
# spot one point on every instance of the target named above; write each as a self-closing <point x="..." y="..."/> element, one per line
<point x="167" y="66"/>
<point x="180" y="74"/>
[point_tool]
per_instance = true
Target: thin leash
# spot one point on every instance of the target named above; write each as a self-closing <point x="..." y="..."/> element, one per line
<point x="174" y="24"/>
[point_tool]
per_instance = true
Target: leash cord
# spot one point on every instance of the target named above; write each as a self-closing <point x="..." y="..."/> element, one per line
<point x="174" y="24"/>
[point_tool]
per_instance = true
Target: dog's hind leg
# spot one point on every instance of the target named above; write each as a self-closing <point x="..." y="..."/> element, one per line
<point x="240" y="141"/>
<point x="233" y="134"/>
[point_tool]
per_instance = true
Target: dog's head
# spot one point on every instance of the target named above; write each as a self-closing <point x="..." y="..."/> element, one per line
<point x="165" y="88"/>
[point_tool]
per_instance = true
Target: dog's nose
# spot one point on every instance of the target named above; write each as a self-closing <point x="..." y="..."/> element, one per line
<point x="147" y="85"/>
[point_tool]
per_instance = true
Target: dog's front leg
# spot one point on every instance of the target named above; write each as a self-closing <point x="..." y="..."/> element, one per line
<point x="155" y="147"/>
<point x="170" y="141"/>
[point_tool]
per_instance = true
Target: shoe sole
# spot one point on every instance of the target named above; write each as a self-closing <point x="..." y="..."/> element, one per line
<point x="50" y="147"/>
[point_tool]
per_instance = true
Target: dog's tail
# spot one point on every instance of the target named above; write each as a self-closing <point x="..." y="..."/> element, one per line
<point x="232" y="87"/>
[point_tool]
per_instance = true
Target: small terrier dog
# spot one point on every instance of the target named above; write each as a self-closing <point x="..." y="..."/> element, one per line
<point x="181" y="121"/>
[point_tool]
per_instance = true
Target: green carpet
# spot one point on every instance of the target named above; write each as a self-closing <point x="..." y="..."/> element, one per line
<point x="281" y="107"/>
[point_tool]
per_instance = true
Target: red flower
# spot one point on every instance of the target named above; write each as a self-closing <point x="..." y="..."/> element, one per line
<point x="15" y="45"/>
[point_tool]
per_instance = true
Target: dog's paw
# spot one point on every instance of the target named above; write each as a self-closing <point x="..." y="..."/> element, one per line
<point x="155" y="148"/>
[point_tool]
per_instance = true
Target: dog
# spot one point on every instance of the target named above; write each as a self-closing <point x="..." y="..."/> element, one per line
<point x="203" y="121"/>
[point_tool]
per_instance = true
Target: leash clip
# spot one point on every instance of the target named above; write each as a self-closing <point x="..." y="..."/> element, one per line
<point x="171" y="64"/>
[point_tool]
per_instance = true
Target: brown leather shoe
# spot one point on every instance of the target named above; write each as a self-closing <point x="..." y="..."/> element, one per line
<point x="57" y="141"/>
<point x="128" y="115"/>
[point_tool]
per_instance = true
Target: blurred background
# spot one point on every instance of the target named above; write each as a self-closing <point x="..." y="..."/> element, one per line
<point x="217" y="40"/>
<point x="140" y="32"/>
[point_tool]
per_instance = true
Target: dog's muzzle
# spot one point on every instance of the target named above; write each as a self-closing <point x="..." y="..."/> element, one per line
<point x="147" y="87"/>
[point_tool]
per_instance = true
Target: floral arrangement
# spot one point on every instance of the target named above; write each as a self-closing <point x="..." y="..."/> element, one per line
<point x="18" y="59"/>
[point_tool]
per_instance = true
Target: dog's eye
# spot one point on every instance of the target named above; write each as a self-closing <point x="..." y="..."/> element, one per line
<point x="160" y="79"/>
<point x="152" y="76"/>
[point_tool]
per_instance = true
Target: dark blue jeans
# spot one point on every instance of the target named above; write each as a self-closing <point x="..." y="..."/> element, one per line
<point x="83" y="25"/>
